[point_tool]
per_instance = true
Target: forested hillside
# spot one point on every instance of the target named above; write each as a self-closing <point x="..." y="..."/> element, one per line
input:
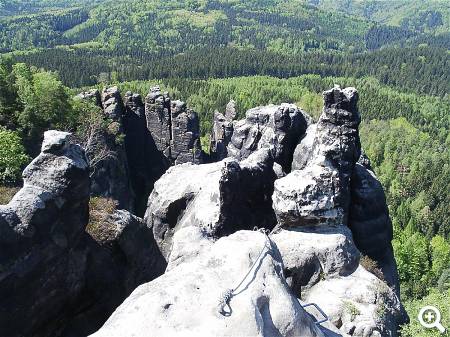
<point x="21" y="7"/>
<point x="431" y="16"/>
<point x="206" y="52"/>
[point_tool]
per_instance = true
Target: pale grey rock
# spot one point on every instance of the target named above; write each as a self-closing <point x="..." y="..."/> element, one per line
<point x="222" y="131"/>
<point x="185" y="134"/>
<point x="174" y="128"/>
<point x="313" y="253"/>
<point x="54" y="141"/>
<point x="187" y="244"/>
<point x="308" y="197"/>
<point x="359" y="304"/>
<point x="185" y="300"/>
<point x="112" y="103"/>
<point x="278" y="128"/>
<point x="230" y="110"/>
<point x="304" y="149"/>
<point x="320" y="192"/>
<point x="220" y="136"/>
<point x="217" y="198"/>
<point x="278" y="170"/>
<point x="42" y="266"/>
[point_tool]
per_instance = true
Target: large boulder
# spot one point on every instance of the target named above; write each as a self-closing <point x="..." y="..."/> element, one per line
<point x="322" y="266"/>
<point x="217" y="198"/>
<point x="187" y="301"/>
<point x="359" y="304"/>
<point x="43" y="264"/>
<point x="308" y="196"/>
<point x="276" y="127"/>
<point x="312" y="253"/>
<point x="133" y="252"/>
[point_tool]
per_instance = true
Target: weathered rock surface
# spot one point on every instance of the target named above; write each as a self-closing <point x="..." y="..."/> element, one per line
<point x="174" y="128"/>
<point x="359" y="304"/>
<point x="320" y="192"/>
<point x="222" y="132"/>
<point x="321" y="205"/>
<point x="55" y="280"/>
<point x="186" y="300"/>
<point x="217" y="198"/>
<point x="322" y="267"/>
<point x="276" y="127"/>
<point x="156" y="134"/>
<point x="315" y="252"/>
<point x="326" y="212"/>
<point x="134" y="252"/>
<point x="369" y="220"/>
<point x="304" y="149"/>
<point x="308" y="197"/>
<point x="353" y="196"/>
<point x="112" y="103"/>
<point x="41" y="262"/>
<point x="185" y="139"/>
<point x="146" y="164"/>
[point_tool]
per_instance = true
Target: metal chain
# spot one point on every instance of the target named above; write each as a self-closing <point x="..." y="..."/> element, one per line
<point x="228" y="294"/>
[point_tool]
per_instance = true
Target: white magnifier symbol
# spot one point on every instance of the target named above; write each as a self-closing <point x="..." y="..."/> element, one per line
<point x="430" y="317"/>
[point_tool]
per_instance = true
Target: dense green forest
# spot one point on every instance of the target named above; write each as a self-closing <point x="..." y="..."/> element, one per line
<point x="424" y="70"/>
<point x="396" y="53"/>
<point x="432" y="16"/>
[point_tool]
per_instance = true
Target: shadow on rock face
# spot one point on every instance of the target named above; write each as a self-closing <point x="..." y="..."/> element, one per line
<point x="56" y="280"/>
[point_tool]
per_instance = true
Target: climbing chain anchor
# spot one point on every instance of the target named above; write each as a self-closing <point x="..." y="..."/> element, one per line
<point x="227" y="295"/>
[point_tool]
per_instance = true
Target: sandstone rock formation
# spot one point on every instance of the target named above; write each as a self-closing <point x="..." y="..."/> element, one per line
<point x="186" y="300"/>
<point x="319" y="206"/>
<point x="55" y="279"/>
<point x="42" y="264"/>
<point x="322" y="267"/>
<point x="157" y="134"/>
<point x="320" y="192"/>
<point x="146" y="164"/>
<point x="63" y="274"/>
<point x="105" y="150"/>
<point x="174" y="128"/>
<point x="369" y="220"/>
<point x="276" y="127"/>
<point x="217" y="199"/>
<point x="222" y="132"/>
<point x="112" y="103"/>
